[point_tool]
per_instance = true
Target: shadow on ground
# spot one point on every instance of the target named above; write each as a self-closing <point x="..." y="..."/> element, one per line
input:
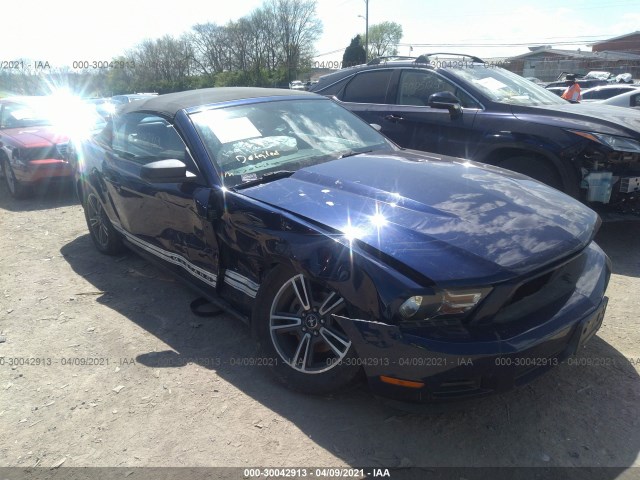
<point x="42" y="197"/>
<point x="585" y="413"/>
<point x="621" y="241"/>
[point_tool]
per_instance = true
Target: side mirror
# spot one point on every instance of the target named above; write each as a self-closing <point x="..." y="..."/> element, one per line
<point x="165" y="171"/>
<point x="376" y="126"/>
<point x="446" y="100"/>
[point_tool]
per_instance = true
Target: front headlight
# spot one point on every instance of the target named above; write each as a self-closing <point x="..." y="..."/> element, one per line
<point x="619" y="144"/>
<point x="17" y="156"/>
<point x="411" y="306"/>
<point x="442" y="304"/>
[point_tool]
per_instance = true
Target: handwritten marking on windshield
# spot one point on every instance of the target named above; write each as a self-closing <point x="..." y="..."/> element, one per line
<point x="258" y="156"/>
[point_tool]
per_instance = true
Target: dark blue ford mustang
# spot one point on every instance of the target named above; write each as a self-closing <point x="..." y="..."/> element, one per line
<point x="437" y="277"/>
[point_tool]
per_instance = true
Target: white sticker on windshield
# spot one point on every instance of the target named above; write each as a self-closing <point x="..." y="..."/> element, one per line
<point x="248" y="177"/>
<point x="233" y="129"/>
<point x="491" y="83"/>
<point x="22" y="114"/>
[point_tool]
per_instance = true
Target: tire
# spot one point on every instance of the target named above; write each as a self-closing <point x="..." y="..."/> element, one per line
<point x="305" y="347"/>
<point x="106" y="239"/>
<point x="535" y="167"/>
<point x="16" y="189"/>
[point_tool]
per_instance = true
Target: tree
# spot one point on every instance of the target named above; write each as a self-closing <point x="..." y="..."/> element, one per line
<point x="162" y="65"/>
<point x="269" y="47"/>
<point x="354" y="54"/>
<point x="383" y="39"/>
<point x="297" y="27"/>
<point x="211" y="49"/>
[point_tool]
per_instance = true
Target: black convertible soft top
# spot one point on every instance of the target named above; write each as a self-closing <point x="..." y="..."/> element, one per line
<point x="171" y="103"/>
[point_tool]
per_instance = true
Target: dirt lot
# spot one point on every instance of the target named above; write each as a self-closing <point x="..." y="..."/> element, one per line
<point x="167" y="388"/>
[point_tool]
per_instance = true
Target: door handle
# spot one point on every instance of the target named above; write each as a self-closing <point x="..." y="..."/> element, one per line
<point x="393" y="118"/>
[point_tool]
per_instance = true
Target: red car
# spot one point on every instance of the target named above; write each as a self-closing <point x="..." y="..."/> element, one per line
<point x="32" y="149"/>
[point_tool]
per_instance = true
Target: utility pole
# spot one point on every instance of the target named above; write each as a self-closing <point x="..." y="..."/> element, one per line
<point x="366" y="32"/>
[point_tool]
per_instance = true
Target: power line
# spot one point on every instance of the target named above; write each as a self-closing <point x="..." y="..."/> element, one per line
<point x="474" y="44"/>
<point x="502" y="12"/>
<point x="519" y="44"/>
<point x="329" y="53"/>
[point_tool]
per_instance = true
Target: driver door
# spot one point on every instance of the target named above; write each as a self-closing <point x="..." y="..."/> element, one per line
<point x="433" y="129"/>
<point x="164" y="219"/>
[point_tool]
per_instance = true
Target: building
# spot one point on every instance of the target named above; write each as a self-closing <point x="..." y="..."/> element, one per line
<point x="629" y="43"/>
<point x="548" y="63"/>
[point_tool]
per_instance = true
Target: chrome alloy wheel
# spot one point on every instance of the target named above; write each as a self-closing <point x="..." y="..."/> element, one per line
<point x="303" y="331"/>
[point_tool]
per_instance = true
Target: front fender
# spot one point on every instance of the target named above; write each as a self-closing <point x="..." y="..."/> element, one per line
<point x="255" y="239"/>
<point x="502" y="145"/>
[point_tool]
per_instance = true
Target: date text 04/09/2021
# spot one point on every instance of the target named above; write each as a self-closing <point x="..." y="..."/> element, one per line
<point x="161" y="360"/>
<point x="298" y="472"/>
<point x="402" y="361"/>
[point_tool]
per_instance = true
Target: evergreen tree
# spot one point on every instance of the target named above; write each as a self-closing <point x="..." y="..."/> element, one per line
<point x="354" y="54"/>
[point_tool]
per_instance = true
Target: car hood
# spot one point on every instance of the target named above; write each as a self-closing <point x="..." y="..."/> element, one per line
<point x="592" y="117"/>
<point x="34" y="136"/>
<point x="451" y="220"/>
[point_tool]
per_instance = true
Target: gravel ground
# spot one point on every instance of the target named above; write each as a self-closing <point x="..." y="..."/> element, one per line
<point x="119" y="372"/>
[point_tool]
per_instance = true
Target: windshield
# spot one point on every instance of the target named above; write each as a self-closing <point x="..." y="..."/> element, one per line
<point x="503" y="86"/>
<point x="23" y="115"/>
<point x="248" y="141"/>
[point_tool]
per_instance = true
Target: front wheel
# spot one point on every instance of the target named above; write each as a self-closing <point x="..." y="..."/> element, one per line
<point x="106" y="239"/>
<point x="16" y="189"/>
<point x="305" y="346"/>
<point x="534" y="167"/>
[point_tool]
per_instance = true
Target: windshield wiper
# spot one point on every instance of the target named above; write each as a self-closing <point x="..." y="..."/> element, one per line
<point x="267" y="177"/>
<point x="352" y="153"/>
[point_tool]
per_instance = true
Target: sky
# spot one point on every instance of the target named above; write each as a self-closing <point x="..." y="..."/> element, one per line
<point x="65" y="31"/>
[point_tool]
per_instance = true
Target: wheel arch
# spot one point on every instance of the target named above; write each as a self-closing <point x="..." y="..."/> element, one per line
<point x="354" y="285"/>
<point x="268" y="266"/>
<point x="79" y="189"/>
<point x="92" y="182"/>
<point x="565" y="170"/>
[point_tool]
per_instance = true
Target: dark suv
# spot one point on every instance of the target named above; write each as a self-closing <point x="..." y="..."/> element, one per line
<point x="461" y="106"/>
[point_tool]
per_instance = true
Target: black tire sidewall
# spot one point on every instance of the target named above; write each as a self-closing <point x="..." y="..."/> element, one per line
<point x="114" y="243"/>
<point x="337" y="378"/>
<point x="19" y="190"/>
<point x="535" y="167"/>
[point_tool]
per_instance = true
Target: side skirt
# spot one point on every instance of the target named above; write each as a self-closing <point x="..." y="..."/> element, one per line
<point x="199" y="289"/>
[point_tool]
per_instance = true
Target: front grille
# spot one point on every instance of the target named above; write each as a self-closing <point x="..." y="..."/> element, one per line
<point x="531" y="287"/>
<point x="542" y="294"/>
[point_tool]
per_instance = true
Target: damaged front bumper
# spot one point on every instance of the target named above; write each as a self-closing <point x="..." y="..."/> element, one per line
<point x="429" y="368"/>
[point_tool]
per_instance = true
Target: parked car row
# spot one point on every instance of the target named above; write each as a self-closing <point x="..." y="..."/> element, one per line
<point x="434" y="277"/>
<point x="128" y="98"/>
<point x="629" y="99"/>
<point x="605" y="92"/>
<point x="107" y="106"/>
<point x="460" y="106"/>
<point x="592" y="79"/>
<point x="298" y="85"/>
